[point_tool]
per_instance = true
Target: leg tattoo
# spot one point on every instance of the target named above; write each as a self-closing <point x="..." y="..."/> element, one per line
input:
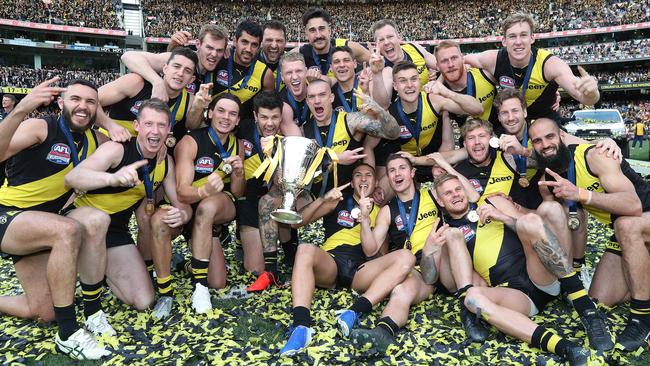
<point x="552" y="254"/>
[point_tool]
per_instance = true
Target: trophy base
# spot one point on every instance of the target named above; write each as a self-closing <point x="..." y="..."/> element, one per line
<point x="286" y="216"/>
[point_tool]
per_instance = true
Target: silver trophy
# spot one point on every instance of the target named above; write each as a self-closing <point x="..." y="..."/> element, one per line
<point x="298" y="153"/>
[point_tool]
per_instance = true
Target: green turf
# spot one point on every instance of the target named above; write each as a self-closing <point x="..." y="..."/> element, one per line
<point x="640" y="153"/>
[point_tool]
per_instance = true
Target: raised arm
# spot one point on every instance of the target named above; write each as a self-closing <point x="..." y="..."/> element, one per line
<point x="373" y="239"/>
<point x="485" y="60"/>
<point x="372" y="120"/>
<point x="149" y="66"/>
<point x="321" y="206"/>
<point x="360" y="53"/>
<point x="288" y="127"/>
<point x="584" y="89"/>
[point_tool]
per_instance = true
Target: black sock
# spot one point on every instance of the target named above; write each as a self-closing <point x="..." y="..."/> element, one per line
<point x="92" y="295"/>
<point x="290" y="247"/>
<point x="548" y="341"/>
<point x="271" y="262"/>
<point x="640" y="309"/>
<point x="388" y="324"/>
<point x="361" y="305"/>
<point x="576" y="292"/>
<point x="301" y="316"/>
<point x="578" y="263"/>
<point x="461" y="293"/>
<point x="166" y="285"/>
<point x="199" y="272"/>
<point x="67" y="320"/>
<point x="150" y="268"/>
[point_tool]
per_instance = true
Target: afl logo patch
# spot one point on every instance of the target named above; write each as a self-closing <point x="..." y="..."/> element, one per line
<point x="404" y="132"/>
<point x="467" y="232"/>
<point x="506" y="82"/>
<point x="135" y="109"/>
<point x="345" y="219"/>
<point x="222" y="78"/>
<point x="248" y="148"/>
<point x="398" y="223"/>
<point x="204" y="165"/>
<point x="315" y="68"/>
<point x="477" y="185"/>
<point x="191" y="88"/>
<point x="59" y="154"/>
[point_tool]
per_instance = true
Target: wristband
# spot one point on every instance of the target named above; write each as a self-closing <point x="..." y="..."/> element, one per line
<point x="588" y="201"/>
<point x="584" y="196"/>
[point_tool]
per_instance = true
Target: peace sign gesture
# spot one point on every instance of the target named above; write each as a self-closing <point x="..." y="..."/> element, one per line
<point x="562" y="188"/>
<point x="365" y="77"/>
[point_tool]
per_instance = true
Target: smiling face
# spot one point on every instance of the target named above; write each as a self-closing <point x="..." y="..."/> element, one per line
<point x="512" y="116"/>
<point x="343" y="65"/>
<point x="400" y="175"/>
<point x="246" y="48"/>
<point x="268" y="121"/>
<point x="294" y="76"/>
<point x="518" y="41"/>
<point x="545" y="137"/>
<point x="450" y="63"/>
<point x="79" y="106"/>
<point x="477" y="143"/>
<point x="388" y="42"/>
<point x="152" y="126"/>
<point x="210" y="51"/>
<point x="178" y="72"/>
<point x="319" y="100"/>
<point x="452" y="197"/>
<point x="407" y="85"/>
<point x="224" y="117"/>
<point x="273" y="44"/>
<point x="318" y="34"/>
<point x="363" y="180"/>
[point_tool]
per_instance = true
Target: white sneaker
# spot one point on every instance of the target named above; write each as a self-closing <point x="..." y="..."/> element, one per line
<point x="81" y="346"/>
<point x="201" y="302"/>
<point x="163" y="307"/>
<point x="98" y="325"/>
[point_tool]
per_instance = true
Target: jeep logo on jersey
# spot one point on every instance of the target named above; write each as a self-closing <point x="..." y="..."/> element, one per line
<point x="506" y="82"/>
<point x="467" y="232"/>
<point x="477" y="185"/>
<point x="499" y="179"/>
<point x="59" y="154"/>
<point x="222" y="78"/>
<point x="339" y="143"/>
<point x="398" y="223"/>
<point x="345" y="219"/>
<point x="204" y="164"/>
<point x="404" y="132"/>
<point x="248" y="148"/>
<point x="135" y="109"/>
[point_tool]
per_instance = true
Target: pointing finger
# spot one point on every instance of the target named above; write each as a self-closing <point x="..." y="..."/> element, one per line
<point x="553" y="174"/>
<point x="139" y="164"/>
<point x="582" y="71"/>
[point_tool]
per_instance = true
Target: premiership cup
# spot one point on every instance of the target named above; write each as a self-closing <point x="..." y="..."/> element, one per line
<point x="298" y="154"/>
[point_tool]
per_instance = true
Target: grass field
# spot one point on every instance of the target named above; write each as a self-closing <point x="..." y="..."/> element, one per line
<point x="251" y="330"/>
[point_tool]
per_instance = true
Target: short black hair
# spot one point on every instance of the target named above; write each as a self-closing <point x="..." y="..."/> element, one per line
<point x="312" y="13"/>
<point x="185" y="52"/>
<point x="343" y="49"/>
<point x="10" y="96"/>
<point x="276" y="25"/>
<point x="404" y="65"/>
<point x="154" y="104"/>
<point x="249" y="26"/>
<point x="267" y="100"/>
<point x="83" y="82"/>
<point x="228" y="96"/>
<point x="395" y="156"/>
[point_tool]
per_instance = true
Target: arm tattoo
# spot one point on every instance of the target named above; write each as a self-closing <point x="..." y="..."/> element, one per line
<point x="552" y="254"/>
<point x="428" y="268"/>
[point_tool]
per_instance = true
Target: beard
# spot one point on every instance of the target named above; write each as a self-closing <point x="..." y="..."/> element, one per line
<point x="558" y="163"/>
<point x="67" y="119"/>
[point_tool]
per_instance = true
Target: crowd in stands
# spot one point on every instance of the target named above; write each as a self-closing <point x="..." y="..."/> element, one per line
<point x="417" y="20"/>
<point x="626" y="76"/>
<point x="605" y="51"/>
<point x="25" y="77"/>
<point x="81" y="13"/>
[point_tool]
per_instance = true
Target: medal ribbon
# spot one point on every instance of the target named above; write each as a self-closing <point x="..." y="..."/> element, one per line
<point x="258" y="145"/>
<point x="174" y="110"/>
<point x="344" y="101"/>
<point x="223" y="154"/>
<point x="414" y="130"/>
<point x="409" y="224"/>
<point x="520" y="160"/>
<point x="328" y="146"/>
<point x="148" y="181"/>
<point x="246" y="78"/>
<point x="317" y="60"/>
<point x="302" y="117"/>
<point x="470" y="84"/>
<point x="571" y="176"/>
<point x="70" y="140"/>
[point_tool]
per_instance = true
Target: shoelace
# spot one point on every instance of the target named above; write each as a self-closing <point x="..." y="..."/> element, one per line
<point x="86" y="340"/>
<point x="597" y="328"/>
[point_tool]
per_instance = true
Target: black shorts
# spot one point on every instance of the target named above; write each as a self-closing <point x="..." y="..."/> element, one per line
<point x="348" y="259"/>
<point x="118" y="235"/>
<point x="525" y="285"/>
<point x="6" y="217"/>
<point x="247" y="214"/>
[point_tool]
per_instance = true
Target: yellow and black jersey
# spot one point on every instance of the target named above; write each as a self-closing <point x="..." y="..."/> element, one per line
<point x="496" y="177"/>
<point x="121" y="202"/>
<point x="35" y="176"/>
<point x="585" y="179"/>
<point x="413" y="54"/>
<point x="338" y="137"/>
<point x="322" y="62"/>
<point x="419" y="135"/>
<point x="346" y="101"/>
<point x="301" y="113"/>
<point x="496" y="251"/>
<point x="277" y="73"/>
<point x="343" y="230"/>
<point x="253" y="158"/>
<point x="483" y="90"/>
<point x="245" y="82"/>
<point x="126" y="110"/>
<point x="540" y="93"/>
<point x="426" y="213"/>
<point x="208" y="159"/>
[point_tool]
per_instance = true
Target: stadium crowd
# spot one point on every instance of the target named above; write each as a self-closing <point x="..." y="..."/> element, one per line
<point x="626" y="76"/>
<point x="95" y="14"/>
<point x="26" y="77"/>
<point x="429" y="20"/>
<point x="605" y="51"/>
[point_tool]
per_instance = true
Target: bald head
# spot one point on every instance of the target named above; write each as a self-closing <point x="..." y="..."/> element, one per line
<point x="543" y="126"/>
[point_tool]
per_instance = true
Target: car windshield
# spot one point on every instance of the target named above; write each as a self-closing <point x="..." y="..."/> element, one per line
<point x="596" y="116"/>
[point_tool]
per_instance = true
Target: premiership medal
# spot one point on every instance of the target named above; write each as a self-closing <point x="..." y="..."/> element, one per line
<point x="472" y="216"/>
<point x="79" y="193"/>
<point x="170" y="141"/>
<point x="573" y="222"/>
<point x="494" y="142"/>
<point x="355" y="213"/>
<point x="226" y="168"/>
<point x="523" y="182"/>
<point x="149" y="209"/>
<point x="407" y="244"/>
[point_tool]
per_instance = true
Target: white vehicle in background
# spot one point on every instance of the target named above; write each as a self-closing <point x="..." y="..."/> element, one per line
<point x="592" y="124"/>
